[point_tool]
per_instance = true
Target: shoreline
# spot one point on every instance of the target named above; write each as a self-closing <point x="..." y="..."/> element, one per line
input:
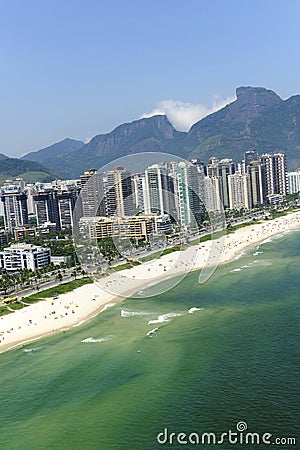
<point x="77" y="307"/>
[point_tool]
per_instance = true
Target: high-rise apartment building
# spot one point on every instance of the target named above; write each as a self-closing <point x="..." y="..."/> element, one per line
<point x="202" y="171"/>
<point x="257" y="177"/>
<point x="119" y="193"/>
<point x="189" y="205"/>
<point x="212" y="194"/>
<point x="92" y="193"/>
<point x="140" y="193"/>
<point x="226" y="167"/>
<point x="239" y="191"/>
<point x="160" y="186"/>
<point x="275" y="169"/>
<point x="46" y="207"/>
<point x="66" y="200"/>
<point x="221" y="169"/>
<point x="14" y="207"/>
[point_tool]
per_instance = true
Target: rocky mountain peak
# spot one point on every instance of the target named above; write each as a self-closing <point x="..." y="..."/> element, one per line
<point x="265" y="98"/>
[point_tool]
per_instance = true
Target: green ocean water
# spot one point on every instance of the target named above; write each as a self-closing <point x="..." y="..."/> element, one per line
<point x="235" y="359"/>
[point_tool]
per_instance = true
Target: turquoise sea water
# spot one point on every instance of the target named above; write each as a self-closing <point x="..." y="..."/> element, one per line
<point x="237" y="359"/>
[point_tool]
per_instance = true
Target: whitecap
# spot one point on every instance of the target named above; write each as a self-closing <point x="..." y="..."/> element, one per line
<point x="95" y="340"/>
<point x="194" y="309"/>
<point x="142" y="293"/>
<point x="275" y="237"/>
<point x="164" y="318"/>
<point x="108" y="305"/>
<point x="262" y="262"/>
<point x="29" y="350"/>
<point x="152" y="332"/>
<point x="125" y="313"/>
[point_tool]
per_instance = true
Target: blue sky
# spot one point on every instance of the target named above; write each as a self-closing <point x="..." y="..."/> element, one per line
<point x="80" y="68"/>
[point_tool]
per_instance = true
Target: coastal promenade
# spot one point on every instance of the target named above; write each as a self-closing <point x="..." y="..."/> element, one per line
<point x="76" y="307"/>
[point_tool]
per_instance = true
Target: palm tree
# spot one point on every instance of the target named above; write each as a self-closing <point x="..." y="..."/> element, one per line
<point x="59" y="276"/>
<point x="74" y="274"/>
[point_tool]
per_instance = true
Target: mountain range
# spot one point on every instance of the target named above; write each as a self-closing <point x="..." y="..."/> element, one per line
<point x="258" y="119"/>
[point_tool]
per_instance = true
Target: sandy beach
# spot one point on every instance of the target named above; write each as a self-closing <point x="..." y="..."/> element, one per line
<point x="74" y="308"/>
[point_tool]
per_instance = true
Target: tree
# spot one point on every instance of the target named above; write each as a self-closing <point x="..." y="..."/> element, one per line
<point x="108" y="248"/>
<point x="59" y="276"/>
<point x="74" y="274"/>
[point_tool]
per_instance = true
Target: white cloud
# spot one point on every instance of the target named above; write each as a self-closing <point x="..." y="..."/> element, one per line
<point x="183" y="115"/>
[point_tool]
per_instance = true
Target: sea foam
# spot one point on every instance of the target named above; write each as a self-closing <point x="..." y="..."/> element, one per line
<point x="125" y="313"/>
<point x="30" y="350"/>
<point x="275" y="237"/>
<point x="152" y="332"/>
<point x="194" y="309"/>
<point x="94" y="340"/>
<point x="163" y="318"/>
<point x="108" y="305"/>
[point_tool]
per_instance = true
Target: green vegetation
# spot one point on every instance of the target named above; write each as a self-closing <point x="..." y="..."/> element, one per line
<point x="13" y="167"/>
<point x="107" y="248"/>
<point x="216" y="235"/>
<point x="176" y="248"/>
<point x="275" y="214"/>
<point x="4" y="310"/>
<point x="151" y="257"/>
<point x="15" y="306"/>
<point x="160" y="253"/>
<point x="124" y="266"/>
<point x="61" y="289"/>
<point x="232" y="228"/>
<point x="33" y="177"/>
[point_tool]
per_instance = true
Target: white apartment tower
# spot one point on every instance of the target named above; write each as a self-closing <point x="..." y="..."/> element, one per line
<point x="275" y="167"/>
<point x="140" y="193"/>
<point x="119" y="194"/>
<point x="92" y="193"/>
<point x="160" y="187"/>
<point x="239" y="191"/>
<point x="187" y="194"/>
<point x="213" y="201"/>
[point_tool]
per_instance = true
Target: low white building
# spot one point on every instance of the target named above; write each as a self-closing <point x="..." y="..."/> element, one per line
<point x="24" y="256"/>
<point x="293" y="179"/>
<point x="57" y="260"/>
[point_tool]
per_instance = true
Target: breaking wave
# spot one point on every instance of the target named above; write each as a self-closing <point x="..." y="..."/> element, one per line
<point x="95" y="340"/>
<point x="163" y="318"/>
<point x="194" y="309"/>
<point x="125" y="313"/>
<point x="152" y="332"/>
